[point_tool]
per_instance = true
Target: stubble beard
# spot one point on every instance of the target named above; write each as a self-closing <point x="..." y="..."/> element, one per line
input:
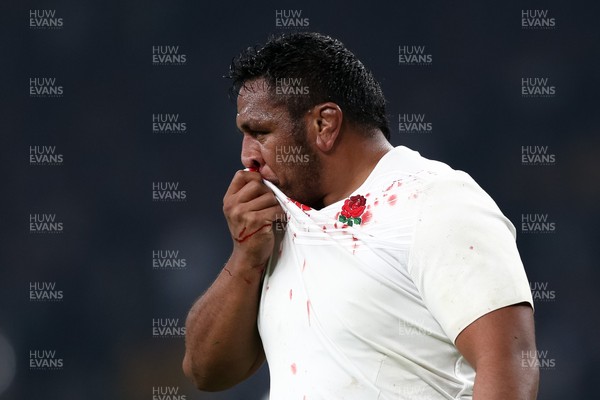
<point x="305" y="182"/>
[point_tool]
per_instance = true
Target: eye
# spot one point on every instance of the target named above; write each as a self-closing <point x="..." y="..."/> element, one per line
<point x="257" y="133"/>
<point x="252" y="132"/>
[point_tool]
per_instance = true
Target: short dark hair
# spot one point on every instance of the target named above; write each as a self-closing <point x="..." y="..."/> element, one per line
<point x="329" y="70"/>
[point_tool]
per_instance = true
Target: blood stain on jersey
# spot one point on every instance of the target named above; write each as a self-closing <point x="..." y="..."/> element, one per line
<point x="303" y="207"/>
<point x="308" y="310"/>
<point x="392" y="200"/>
<point x="366" y="217"/>
<point x="293" y="368"/>
<point x="290" y="294"/>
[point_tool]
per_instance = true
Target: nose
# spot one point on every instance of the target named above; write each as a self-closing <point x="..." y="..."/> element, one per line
<point x="251" y="155"/>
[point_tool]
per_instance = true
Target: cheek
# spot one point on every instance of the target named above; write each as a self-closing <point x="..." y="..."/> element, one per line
<point x="269" y="156"/>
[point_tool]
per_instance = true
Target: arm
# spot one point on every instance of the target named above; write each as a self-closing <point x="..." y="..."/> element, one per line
<point x="494" y="346"/>
<point x="223" y="346"/>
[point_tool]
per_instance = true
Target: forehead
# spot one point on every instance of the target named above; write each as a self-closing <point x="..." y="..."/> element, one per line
<point x="255" y="104"/>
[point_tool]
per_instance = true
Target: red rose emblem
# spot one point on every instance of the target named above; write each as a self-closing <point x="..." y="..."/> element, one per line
<point x="352" y="209"/>
<point x="354" y="206"/>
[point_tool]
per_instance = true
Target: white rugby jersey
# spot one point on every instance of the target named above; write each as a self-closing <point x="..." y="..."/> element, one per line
<point x="364" y="298"/>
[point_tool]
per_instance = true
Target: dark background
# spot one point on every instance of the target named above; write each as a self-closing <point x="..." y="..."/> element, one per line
<point x="102" y="191"/>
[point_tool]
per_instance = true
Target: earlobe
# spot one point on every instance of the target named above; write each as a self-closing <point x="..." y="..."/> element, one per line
<point x="328" y="124"/>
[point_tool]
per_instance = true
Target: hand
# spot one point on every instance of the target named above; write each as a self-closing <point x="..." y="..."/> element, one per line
<point x="250" y="209"/>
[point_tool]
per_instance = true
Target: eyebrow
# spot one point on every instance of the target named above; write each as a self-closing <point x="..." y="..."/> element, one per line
<point x="250" y="122"/>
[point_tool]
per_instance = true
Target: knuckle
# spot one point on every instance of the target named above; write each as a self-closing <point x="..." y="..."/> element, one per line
<point x="228" y="204"/>
<point x="237" y="212"/>
<point x="254" y="186"/>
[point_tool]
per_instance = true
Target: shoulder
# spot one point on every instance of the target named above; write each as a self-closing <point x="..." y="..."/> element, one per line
<point x="406" y="175"/>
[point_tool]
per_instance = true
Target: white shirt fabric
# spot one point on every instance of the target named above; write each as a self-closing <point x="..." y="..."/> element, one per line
<point x="371" y="311"/>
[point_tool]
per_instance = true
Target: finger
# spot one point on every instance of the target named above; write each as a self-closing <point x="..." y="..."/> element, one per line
<point x="239" y="216"/>
<point x="271" y="214"/>
<point x="264" y="201"/>
<point x="251" y="191"/>
<point x="240" y="179"/>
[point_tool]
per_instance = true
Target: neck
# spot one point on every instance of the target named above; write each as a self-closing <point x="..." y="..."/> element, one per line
<point x="350" y="165"/>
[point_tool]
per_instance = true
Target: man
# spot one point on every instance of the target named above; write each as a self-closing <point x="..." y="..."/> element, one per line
<point x="393" y="277"/>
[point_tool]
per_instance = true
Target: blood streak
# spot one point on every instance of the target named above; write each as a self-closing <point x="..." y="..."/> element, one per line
<point x="308" y="310"/>
<point x="392" y="200"/>
<point x="290" y="294"/>
<point x="242" y="239"/>
<point x="366" y="217"/>
<point x="293" y="368"/>
<point x="303" y="265"/>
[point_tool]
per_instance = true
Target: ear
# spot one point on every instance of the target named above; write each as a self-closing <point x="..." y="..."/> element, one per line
<point x="327" y="124"/>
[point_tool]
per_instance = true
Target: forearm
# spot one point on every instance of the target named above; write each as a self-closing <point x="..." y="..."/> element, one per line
<point x="222" y="341"/>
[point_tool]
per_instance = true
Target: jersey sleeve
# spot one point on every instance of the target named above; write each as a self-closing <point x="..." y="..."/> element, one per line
<point x="464" y="259"/>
